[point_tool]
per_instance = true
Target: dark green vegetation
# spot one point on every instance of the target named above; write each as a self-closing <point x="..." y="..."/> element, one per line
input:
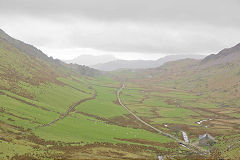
<point x="52" y="110"/>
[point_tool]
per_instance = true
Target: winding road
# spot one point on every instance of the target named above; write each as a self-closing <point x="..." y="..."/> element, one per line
<point x="189" y="146"/>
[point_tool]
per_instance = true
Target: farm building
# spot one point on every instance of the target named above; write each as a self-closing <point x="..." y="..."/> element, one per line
<point x="206" y="140"/>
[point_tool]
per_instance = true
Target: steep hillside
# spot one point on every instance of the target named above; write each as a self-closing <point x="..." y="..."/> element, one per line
<point x="22" y="47"/>
<point x="217" y="75"/>
<point x="228" y="55"/>
<point x="23" y="63"/>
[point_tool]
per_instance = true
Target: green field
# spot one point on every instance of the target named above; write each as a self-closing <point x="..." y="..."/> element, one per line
<point x="87" y="124"/>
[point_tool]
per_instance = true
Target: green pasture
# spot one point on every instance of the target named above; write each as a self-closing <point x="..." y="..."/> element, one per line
<point x="85" y="129"/>
<point x="56" y="97"/>
<point x="104" y="105"/>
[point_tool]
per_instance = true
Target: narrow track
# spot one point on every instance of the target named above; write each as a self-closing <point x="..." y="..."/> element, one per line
<point x="67" y="113"/>
<point x="189" y="146"/>
<point x="70" y="109"/>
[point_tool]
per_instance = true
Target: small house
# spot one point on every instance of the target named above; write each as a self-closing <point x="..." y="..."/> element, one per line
<point x="206" y="140"/>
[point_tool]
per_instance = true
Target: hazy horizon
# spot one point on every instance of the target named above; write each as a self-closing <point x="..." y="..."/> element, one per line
<point x="67" y="29"/>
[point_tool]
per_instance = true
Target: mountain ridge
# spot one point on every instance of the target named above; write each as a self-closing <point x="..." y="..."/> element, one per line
<point x="24" y="63"/>
<point x="215" y="75"/>
<point x="90" y="60"/>
<point x="141" y="64"/>
<point x="22" y="46"/>
<point x="224" y="56"/>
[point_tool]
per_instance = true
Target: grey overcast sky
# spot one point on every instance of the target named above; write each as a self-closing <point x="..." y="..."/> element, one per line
<point x="129" y="29"/>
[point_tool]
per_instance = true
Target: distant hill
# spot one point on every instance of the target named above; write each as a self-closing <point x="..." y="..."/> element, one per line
<point x="217" y="75"/>
<point x="90" y="60"/>
<point x="141" y="64"/>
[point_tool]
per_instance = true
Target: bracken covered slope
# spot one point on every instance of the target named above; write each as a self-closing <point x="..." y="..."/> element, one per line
<point x="21" y="62"/>
<point x="217" y="75"/>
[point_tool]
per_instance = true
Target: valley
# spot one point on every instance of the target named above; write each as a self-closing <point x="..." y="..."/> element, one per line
<point x="53" y="110"/>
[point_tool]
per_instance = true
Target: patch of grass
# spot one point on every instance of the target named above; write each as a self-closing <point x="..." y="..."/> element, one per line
<point x="59" y="98"/>
<point x="104" y="104"/>
<point x="89" y="130"/>
<point x="28" y="114"/>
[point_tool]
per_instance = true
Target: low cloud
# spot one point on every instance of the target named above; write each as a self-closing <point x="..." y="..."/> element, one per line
<point x="138" y="26"/>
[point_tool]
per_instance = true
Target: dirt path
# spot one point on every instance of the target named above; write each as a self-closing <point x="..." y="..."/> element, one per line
<point x="70" y="109"/>
<point x="183" y="143"/>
